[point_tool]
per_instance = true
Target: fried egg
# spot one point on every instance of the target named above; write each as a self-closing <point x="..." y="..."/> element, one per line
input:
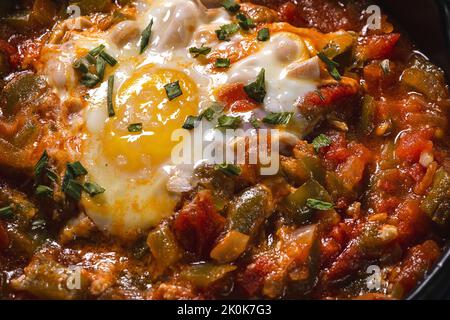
<point x="135" y="168"/>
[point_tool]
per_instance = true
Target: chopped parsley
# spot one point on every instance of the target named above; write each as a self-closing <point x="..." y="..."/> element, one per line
<point x="43" y="191"/>
<point x="77" y="169"/>
<point x="90" y="80"/>
<point x="321" y="141"/>
<point x="97" y="58"/>
<point x="226" y="31"/>
<point x="6" y="212"/>
<point x="331" y="66"/>
<point x="196" y="52"/>
<point x="244" y="21"/>
<point x="255" y="122"/>
<point x="189" y="123"/>
<point x="208" y="114"/>
<point x="41" y="165"/>
<point x="41" y="169"/>
<point x="100" y="66"/>
<point x="263" y="34"/>
<point x="228" y="122"/>
<point x="109" y="100"/>
<point x="93" y="188"/>
<point x="145" y="37"/>
<point x="51" y="175"/>
<point x="108" y="58"/>
<point x="173" y="90"/>
<point x="228" y="169"/>
<point x="73" y="189"/>
<point x="257" y="90"/>
<point x="81" y="65"/>
<point x="231" y="6"/>
<point x="281" y="118"/>
<point x="318" y="204"/>
<point x="222" y="63"/>
<point x="135" y="127"/>
<point x="97" y="50"/>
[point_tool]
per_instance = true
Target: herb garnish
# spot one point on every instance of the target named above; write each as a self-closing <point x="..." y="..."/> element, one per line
<point x="255" y="122"/>
<point x="321" y="141"/>
<point x="135" y="127"/>
<point x="96" y="51"/>
<point x="222" y="63"/>
<point x="208" y="114"/>
<point x="89" y="80"/>
<point x="98" y="58"/>
<point x="228" y="122"/>
<point x="173" y="90"/>
<point x="331" y="66"/>
<point x="77" y="169"/>
<point x="41" y="169"/>
<point x="100" y="66"/>
<point x="263" y="34"/>
<point x="196" y="52"/>
<point x="189" y="123"/>
<point x="257" y="90"/>
<point x="244" y="21"/>
<point x="6" y="212"/>
<point x="108" y="58"/>
<point x="231" y="6"/>
<point x="41" y="165"/>
<point x="93" y="188"/>
<point x="109" y="100"/>
<point x="145" y="37"/>
<point x="318" y="204"/>
<point x="282" y="118"/>
<point x="43" y="191"/>
<point x="226" y="31"/>
<point x="228" y="169"/>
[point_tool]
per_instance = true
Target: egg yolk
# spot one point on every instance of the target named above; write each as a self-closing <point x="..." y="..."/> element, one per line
<point x="143" y="99"/>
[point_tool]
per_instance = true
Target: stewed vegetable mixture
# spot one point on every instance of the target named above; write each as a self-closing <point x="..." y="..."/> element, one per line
<point x="369" y="184"/>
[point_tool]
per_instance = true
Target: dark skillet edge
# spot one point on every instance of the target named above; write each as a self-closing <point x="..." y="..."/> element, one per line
<point x="444" y="6"/>
<point x="435" y="285"/>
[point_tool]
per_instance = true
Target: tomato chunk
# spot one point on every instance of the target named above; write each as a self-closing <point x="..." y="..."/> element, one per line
<point x="410" y="221"/>
<point x="235" y="99"/>
<point x="252" y="279"/>
<point x="329" y="95"/>
<point x="412" y="144"/>
<point x="417" y="262"/>
<point x="289" y="12"/>
<point x="377" y="46"/>
<point x="198" y="224"/>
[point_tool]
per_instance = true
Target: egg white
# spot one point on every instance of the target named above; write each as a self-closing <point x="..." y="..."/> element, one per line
<point x="136" y="200"/>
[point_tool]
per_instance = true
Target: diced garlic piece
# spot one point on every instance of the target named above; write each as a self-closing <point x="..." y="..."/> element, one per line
<point x="308" y="69"/>
<point x="426" y="158"/>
